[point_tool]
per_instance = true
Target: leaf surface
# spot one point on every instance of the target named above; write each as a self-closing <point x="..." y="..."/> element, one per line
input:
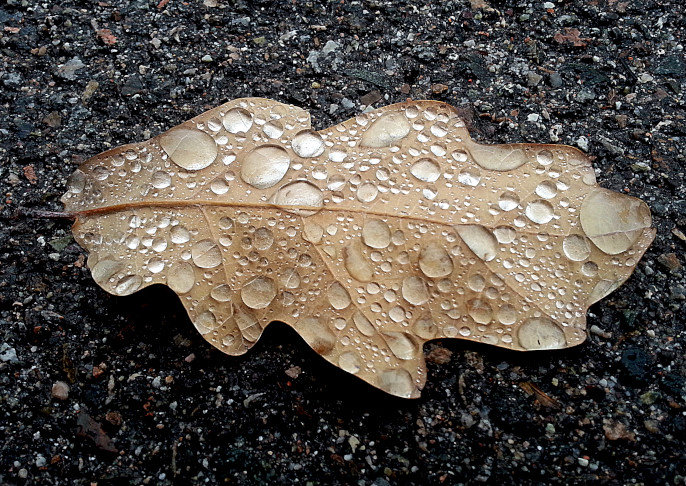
<point x="369" y="238"/>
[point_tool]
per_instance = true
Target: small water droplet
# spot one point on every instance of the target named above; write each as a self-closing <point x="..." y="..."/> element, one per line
<point x="222" y="293"/>
<point x="367" y="192"/>
<point x="546" y="190"/>
<point x="160" y="179"/>
<point x="508" y="201"/>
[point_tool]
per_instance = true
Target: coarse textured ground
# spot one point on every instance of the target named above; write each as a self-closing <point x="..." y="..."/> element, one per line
<point x="95" y="388"/>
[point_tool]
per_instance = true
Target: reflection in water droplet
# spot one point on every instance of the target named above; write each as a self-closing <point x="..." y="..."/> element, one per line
<point x="308" y="144"/>
<point x="613" y="221"/>
<point x="181" y="277"/>
<point x="480" y="311"/>
<point x="160" y="179"/>
<point x="541" y="333"/>
<point x="316" y="334"/>
<point x="338" y="296"/>
<point x="539" y="211"/>
<point x="367" y="192"/>
<point x="434" y="261"/>
<point x="265" y="166"/>
<point x="385" y="130"/>
<point x="397" y="382"/>
<point x="576" y="248"/>
<point x="349" y="362"/>
<point x="299" y="197"/>
<point x="237" y="120"/>
<point x="376" y="234"/>
<point x="222" y="293"/>
<point x="356" y="263"/>
<point x="259" y="292"/>
<point x="426" y="170"/>
<point x="414" y="290"/>
<point x="401" y="345"/>
<point x="189" y="148"/>
<point x="206" y="254"/>
<point x="508" y="201"/>
<point x="480" y="240"/>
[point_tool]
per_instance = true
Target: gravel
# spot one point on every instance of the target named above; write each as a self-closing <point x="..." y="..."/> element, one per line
<point x="95" y="388"/>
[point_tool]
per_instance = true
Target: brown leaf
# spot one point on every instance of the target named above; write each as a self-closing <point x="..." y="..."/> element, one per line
<point x="30" y="174"/>
<point x="369" y="238"/>
<point x="106" y="37"/>
<point x="541" y="397"/>
<point x="91" y="429"/>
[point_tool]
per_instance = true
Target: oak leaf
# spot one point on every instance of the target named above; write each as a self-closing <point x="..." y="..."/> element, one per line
<point x="369" y="238"/>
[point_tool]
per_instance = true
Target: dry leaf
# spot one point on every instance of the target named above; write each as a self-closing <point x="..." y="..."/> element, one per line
<point x="369" y="238"/>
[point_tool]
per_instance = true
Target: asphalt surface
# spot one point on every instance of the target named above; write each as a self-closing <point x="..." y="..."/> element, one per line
<point x="107" y="390"/>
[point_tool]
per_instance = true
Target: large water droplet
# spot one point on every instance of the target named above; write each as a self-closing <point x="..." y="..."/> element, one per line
<point x="480" y="240"/>
<point x="386" y="130"/>
<point x="397" y="382"/>
<point x="299" y="197"/>
<point x="576" y="248"/>
<point x="237" y="120"/>
<point x="263" y="239"/>
<point x="222" y="293"/>
<point x="206" y="254"/>
<point x="189" y="148"/>
<point x="349" y="362"/>
<point x="357" y="264"/>
<point x="181" y="277"/>
<point x="425" y="329"/>
<point x="613" y="221"/>
<point x="338" y="296"/>
<point x="507" y="314"/>
<point x="248" y="325"/>
<point x="497" y="157"/>
<point x="205" y="322"/>
<point x="128" y="285"/>
<point x="480" y="311"/>
<point x="265" y="166"/>
<point x="273" y="129"/>
<point x="363" y="324"/>
<point x="541" y="333"/>
<point x="434" y="261"/>
<point x="426" y="170"/>
<point x="546" y="190"/>
<point x="367" y="192"/>
<point x="539" y="211"/>
<point x="104" y="270"/>
<point x="308" y="144"/>
<point x="317" y="334"/>
<point x="160" y="179"/>
<point x="414" y="290"/>
<point x="258" y="292"/>
<point x="469" y="177"/>
<point x="376" y="234"/>
<point x="508" y="201"/>
<point x="401" y="345"/>
<point x="179" y="234"/>
<point x="76" y="182"/>
<point x="505" y="234"/>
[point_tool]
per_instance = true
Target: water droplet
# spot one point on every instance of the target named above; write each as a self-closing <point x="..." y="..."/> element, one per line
<point x="357" y="264"/>
<point x="160" y="179"/>
<point x="206" y="254"/>
<point x="263" y="239"/>
<point x="376" y="234"/>
<point x="258" y="292"/>
<point x="349" y="362"/>
<point x="367" y="192"/>
<point x="222" y="293"/>
<point x="397" y="382"/>
<point x="219" y="187"/>
<point x="308" y="144"/>
<point x="544" y="157"/>
<point x="312" y="232"/>
<point x="576" y="248"/>
<point x="425" y="329"/>
<point x="338" y="296"/>
<point x="299" y="197"/>
<point x="128" y="285"/>
<point x="546" y="190"/>
<point x="480" y="240"/>
<point x="469" y="177"/>
<point x="76" y="182"/>
<point x="426" y="170"/>
<point x="181" y="277"/>
<point x="179" y="234"/>
<point x="248" y="325"/>
<point x="497" y="157"/>
<point x="205" y="322"/>
<point x="541" y="333"/>
<point x="104" y="270"/>
<point x="414" y="290"/>
<point x="507" y="314"/>
<point x="156" y="265"/>
<point x="613" y="221"/>
<point x="508" y="201"/>
<point x="237" y="120"/>
<point x="265" y="166"/>
<point x="273" y="129"/>
<point x="480" y="311"/>
<point x="539" y="211"/>
<point x="505" y="234"/>
<point x="316" y="334"/>
<point x="590" y="269"/>
<point x="386" y="130"/>
<point x="363" y="324"/>
<point x="434" y="261"/>
<point x="189" y="148"/>
<point x="401" y="345"/>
